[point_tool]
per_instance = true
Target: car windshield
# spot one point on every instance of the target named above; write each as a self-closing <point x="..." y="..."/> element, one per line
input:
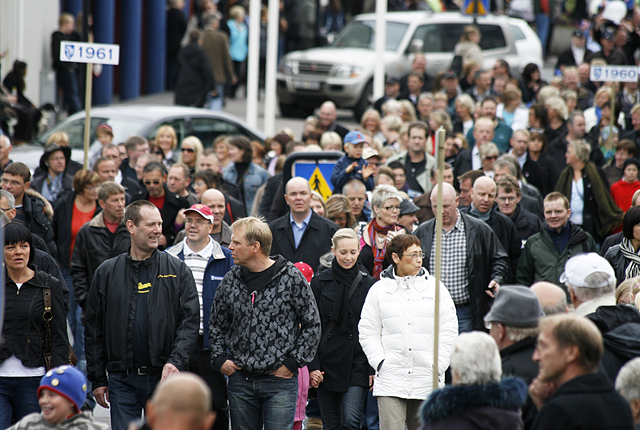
<point x="122" y="129"/>
<point x="361" y="34"/>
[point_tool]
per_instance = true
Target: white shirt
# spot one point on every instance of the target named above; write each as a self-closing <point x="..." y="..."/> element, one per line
<point x="476" y="163"/>
<point x="197" y="262"/>
<point x="577" y="202"/>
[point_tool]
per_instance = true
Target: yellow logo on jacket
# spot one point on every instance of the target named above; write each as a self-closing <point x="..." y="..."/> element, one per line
<point x="144" y="288"/>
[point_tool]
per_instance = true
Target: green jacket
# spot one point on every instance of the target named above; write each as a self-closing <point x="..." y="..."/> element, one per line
<point x="540" y="260"/>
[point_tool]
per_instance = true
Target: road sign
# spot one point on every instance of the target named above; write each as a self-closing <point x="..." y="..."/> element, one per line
<point x="475" y="7"/>
<point x="94" y="53"/>
<point x="614" y="73"/>
<point x="318" y="175"/>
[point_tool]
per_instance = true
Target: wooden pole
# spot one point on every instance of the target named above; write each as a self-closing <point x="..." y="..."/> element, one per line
<point x="440" y="137"/>
<point x="613" y="113"/>
<point x="87" y="109"/>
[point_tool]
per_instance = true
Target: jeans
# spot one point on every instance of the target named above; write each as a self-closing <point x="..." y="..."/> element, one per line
<point x="18" y="398"/>
<point x="268" y="403"/>
<point x="341" y="410"/>
<point x="200" y="364"/>
<point x="464" y="318"/>
<point x="216" y="103"/>
<point x="128" y="394"/>
<point x="371" y="421"/>
<point x="542" y="28"/>
<point x="74" y="318"/>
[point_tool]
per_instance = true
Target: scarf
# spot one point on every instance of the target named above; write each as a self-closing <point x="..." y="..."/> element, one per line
<point x="608" y="214"/>
<point x="633" y="269"/>
<point x="344" y="278"/>
<point x="481" y="216"/>
<point x="378" y="254"/>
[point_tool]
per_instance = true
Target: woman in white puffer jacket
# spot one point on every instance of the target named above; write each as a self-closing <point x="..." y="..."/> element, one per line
<point x="396" y="333"/>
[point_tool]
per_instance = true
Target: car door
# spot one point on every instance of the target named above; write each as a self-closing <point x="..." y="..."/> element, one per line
<point x="178" y="124"/>
<point x="430" y="36"/>
<point x="207" y="129"/>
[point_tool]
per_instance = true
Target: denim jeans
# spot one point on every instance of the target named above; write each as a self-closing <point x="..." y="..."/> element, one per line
<point x="268" y="403"/>
<point x="341" y="410"/>
<point x="128" y="394"/>
<point x="216" y="103"/>
<point x="542" y="28"/>
<point x="464" y="318"/>
<point x="370" y="418"/>
<point x="18" y="398"/>
<point x="74" y="318"/>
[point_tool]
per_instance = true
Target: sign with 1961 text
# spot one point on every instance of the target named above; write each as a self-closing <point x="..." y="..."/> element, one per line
<point x="95" y="53"/>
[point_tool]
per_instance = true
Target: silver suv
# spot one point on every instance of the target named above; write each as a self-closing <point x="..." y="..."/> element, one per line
<point x="343" y="71"/>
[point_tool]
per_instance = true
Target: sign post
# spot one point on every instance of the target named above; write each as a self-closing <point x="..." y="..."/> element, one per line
<point x="440" y="138"/>
<point x="90" y="53"/>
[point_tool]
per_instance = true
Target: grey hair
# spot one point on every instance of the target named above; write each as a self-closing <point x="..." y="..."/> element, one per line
<point x="559" y="307"/>
<point x="585" y="294"/>
<point x="582" y="149"/>
<point x="487" y="150"/>
<point x="628" y="380"/>
<point x="516" y="334"/>
<point x="467" y="101"/>
<point x="572" y="117"/>
<point x="558" y="104"/>
<point x="503" y="162"/>
<point x="11" y="201"/>
<point x="423" y="96"/>
<point x="382" y="193"/>
<point x="4" y="219"/>
<point x="475" y="359"/>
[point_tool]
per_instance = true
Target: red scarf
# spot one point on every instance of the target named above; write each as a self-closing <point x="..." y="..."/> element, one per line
<point x="378" y="254"/>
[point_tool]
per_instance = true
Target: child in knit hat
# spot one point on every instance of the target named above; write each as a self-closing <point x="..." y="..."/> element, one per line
<point x="61" y="394"/>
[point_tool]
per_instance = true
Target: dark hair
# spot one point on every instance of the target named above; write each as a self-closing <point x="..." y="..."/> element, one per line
<point x="282" y="139"/>
<point x="209" y="177"/>
<point x="15" y="233"/>
<point x="194" y="36"/>
<point x="540" y="112"/>
<point x="446" y="166"/>
<point x="488" y="99"/>
<point x="417" y="75"/>
<point x="400" y="244"/>
<point x="155" y="165"/>
<point x="99" y="161"/>
<point x="627" y="145"/>
<point x="503" y="63"/>
<point x="395" y="165"/>
<point x="19" y="169"/>
<point x="290" y="145"/>
<point x="529" y="69"/>
<point x="631" y="219"/>
<point x="541" y="137"/>
<point x="83" y="179"/>
<point x="134" y="141"/>
<point x="20" y="70"/>
<point x="132" y="212"/>
<point x="473" y="175"/>
<point x="243" y="144"/>
<point x="419" y="125"/>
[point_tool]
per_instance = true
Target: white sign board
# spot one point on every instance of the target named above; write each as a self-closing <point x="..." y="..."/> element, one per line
<point x="614" y="74"/>
<point x="95" y="53"/>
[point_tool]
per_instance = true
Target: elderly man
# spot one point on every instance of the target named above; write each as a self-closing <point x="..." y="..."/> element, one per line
<point x="425" y="211"/>
<point x="220" y="230"/>
<point x="53" y="181"/>
<point x="501" y="131"/>
<point x="178" y="180"/>
<point x="553" y="299"/>
<point x="628" y="385"/>
<point x="483" y="207"/>
<point x="5" y="151"/>
<point x="508" y="197"/>
<point x="571" y="81"/>
<point x="180" y="403"/>
<point x="328" y="115"/>
<point x="356" y="193"/>
<point x="482" y="85"/>
<point x="473" y="260"/>
<point x="417" y="160"/>
<point x="545" y="253"/>
<point x="301" y="235"/>
<point x="569" y="392"/>
<point x="268" y="296"/>
<point x="591" y="282"/>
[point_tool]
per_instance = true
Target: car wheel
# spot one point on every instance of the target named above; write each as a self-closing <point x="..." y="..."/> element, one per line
<point x="294" y="111"/>
<point x="364" y="103"/>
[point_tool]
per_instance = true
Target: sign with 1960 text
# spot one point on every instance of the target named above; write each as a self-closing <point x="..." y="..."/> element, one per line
<point x="614" y="73"/>
<point x="95" y="53"/>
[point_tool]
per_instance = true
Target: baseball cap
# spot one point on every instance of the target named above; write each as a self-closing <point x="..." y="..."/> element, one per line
<point x="390" y="80"/>
<point x="578" y="33"/>
<point x="578" y="268"/>
<point x="202" y="210"/>
<point x="450" y="74"/>
<point x="515" y="306"/>
<point x="369" y="152"/>
<point x="354" y="138"/>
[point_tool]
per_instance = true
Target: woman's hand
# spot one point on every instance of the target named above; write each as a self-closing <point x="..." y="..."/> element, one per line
<point x="315" y="378"/>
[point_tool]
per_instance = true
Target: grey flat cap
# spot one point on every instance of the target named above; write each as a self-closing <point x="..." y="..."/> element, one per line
<point x="515" y="306"/>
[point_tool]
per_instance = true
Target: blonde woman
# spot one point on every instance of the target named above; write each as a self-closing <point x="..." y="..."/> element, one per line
<point x="167" y="141"/>
<point x="557" y="114"/>
<point x="465" y="109"/>
<point x="469" y="45"/>
<point x="408" y="111"/>
<point x="317" y="203"/>
<point x="191" y="150"/>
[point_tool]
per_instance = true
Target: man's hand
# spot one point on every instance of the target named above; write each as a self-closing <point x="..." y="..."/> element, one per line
<point x="163" y="240"/>
<point x="492" y="289"/>
<point x="102" y="396"/>
<point x="371" y="378"/>
<point x="229" y="367"/>
<point x="367" y="171"/>
<point x="168" y="370"/>
<point x="351" y="166"/>
<point x="283" y="372"/>
<point x="315" y="378"/>
<point x="180" y="218"/>
<point x="540" y="391"/>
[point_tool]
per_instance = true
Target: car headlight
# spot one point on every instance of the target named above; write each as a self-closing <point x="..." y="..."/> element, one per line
<point x="347" y="71"/>
<point x="289" y="67"/>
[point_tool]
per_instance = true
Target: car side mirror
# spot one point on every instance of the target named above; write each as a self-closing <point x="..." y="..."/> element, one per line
<point x="416" y="46"/>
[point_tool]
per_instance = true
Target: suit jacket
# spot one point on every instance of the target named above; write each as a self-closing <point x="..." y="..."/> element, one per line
<point x="216" y="45"/>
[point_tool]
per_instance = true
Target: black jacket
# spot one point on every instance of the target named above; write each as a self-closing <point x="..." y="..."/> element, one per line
<point x="463" y="163"/>
<point x="526" y="223"/>
<point x="45" y="262"/>
<point x="620" y="328"/>
<point x="588" y="402"/>
<point x="23" y="328"/>
<point x="472" y="407"/>
<point x="517" y="360"/>
<point x="542" y="173"/>
<point x="315" y="241"/>
<point x="341" y="358"/>
<point x="566" y="58"/>
<point x="618" y="261"/>
<point x="172" y="205"/>
<point x="62" y="218"/>
<point x="609" y="242"/>
<point x="270" y="190"/>
<point x="173" y="315"/>
<point x="94" y="245"/>
<point x="67" y="184"/>
<point x="427" y="83"/>
<point x="195" y="77"/>
<point x="558" y="148"/>
<point x="37" y="221"/>
<point x="487" y="260"/>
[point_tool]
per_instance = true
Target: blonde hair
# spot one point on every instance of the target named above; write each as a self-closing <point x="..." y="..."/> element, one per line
<point x="409" y="109"/>
<point x="343" y="233"/>
<point x="195" y="144"/>
<point x="235" y="11"/>
<point x="629" y="286"/>
<point x="546" y="93"/>
<point x="255" y="230"/>
<point x="330" y="138"/>
<point x="442" y="118"/>
<point x="60" y="138"/>
<point x="366" y="116"/>
<point x="467" y="101"/>
<point x="392" y="122"/>
<point x="171" y="131"/>
<point x="558" y="104"/>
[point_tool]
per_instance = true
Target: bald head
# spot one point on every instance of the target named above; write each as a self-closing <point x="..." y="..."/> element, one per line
<point x="297" y="193"/>
<point x="483" y="195"/>
<point x="211" y="195"/>
<point x="297" y="182"/>
<point x="327" y="114"/>
<point x="449" y="204"/>
<point x="181" y="402"/>
<point x="553" y="299"/>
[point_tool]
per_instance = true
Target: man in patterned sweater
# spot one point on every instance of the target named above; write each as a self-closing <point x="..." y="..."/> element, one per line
<point x="264" y="325"/>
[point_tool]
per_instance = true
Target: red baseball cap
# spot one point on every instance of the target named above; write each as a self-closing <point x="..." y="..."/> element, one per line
<point x="202" y="210"/>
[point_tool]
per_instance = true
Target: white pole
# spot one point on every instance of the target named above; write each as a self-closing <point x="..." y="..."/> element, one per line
<point x="272" y="66"/>
<point x="253" y="70"/>
<point x="381" y="38"/>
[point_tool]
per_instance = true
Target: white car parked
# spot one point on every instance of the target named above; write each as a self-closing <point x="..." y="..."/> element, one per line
<point x="343" y="71"/>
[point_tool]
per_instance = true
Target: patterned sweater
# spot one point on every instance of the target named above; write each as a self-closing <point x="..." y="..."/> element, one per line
<point x="82" y="421"/>
<point x="281" y="326"/>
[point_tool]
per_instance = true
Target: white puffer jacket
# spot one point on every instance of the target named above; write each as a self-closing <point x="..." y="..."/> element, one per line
<point x="397" y="325"/>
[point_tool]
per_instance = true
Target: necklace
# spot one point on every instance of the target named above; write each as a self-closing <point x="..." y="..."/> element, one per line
<point x="381" y="240"/>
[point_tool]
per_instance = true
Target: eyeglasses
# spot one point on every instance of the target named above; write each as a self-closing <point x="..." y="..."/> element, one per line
<point x="188" y="150"/>
<point x="90" y="188"/>
<point x="373" y="164"/>
<point x="198" y="222"/>
<point x="13" y="183"/>
<point x="391" y="208"/>
<point x="156" y="182"/>
<point x="419" y="256"/>
<point x="5" y="209"/>
<point x="158" y="152"/>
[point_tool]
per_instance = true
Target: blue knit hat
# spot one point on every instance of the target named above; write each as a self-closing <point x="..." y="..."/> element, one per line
<point x="67" y="381"/>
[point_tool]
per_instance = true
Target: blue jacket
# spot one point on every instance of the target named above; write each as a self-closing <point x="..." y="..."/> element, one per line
<point x="254" y="177"/>
<point x="219" y="264"/>
<point x="339" y="176"/>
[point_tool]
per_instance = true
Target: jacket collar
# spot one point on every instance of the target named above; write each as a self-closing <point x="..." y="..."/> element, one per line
<point x="591" y="306"/>
<point x="98" y="220"/>
<point x="393" y="282"/>
<point x="177" y="250"/>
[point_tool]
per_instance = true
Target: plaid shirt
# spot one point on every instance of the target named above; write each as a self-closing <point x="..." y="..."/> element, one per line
<point x="454" y="256"/>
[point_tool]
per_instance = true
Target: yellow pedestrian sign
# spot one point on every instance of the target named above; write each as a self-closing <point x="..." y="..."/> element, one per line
<point x="318" y="175"/>
<point x="320" y="184"/>
<point x="475" y="7"/>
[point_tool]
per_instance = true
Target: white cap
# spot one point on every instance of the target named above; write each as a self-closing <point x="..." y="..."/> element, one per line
<point x="577" y="269"/>
<point x="369" y="152"/>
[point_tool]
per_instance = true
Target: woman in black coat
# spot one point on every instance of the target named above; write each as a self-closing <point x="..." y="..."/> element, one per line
<point x="22" y="363"/>
<point x="625" y="256"/>
<point x="340" y="370"/>
<point x="195" y="77"/>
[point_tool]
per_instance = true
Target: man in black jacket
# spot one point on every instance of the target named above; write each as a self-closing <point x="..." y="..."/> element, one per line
<point x="142" y="319"/>
<point x="66" y="72"/>
<point x="195" y="78"/>
<point x="475" y="261"/>
<point x="102" y="238"/>
<point x="301" y="235"/>
<point x="508" y="198"/>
